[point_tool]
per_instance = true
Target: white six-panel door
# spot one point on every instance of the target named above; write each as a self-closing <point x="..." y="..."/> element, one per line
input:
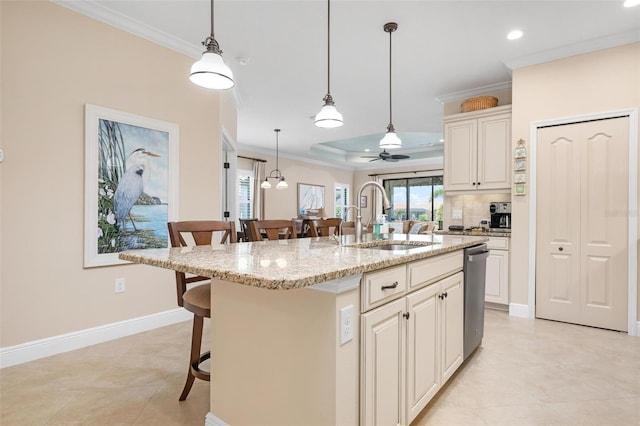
<point x="581" y="269"/>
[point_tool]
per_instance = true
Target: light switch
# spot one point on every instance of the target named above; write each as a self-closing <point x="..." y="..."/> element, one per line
<point x="456" y="214"/>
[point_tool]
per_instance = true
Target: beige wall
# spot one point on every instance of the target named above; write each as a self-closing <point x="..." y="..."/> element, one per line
<point x="282" y="204"/>
<point x="54" y="61"/>
<point x="597" y="82"/>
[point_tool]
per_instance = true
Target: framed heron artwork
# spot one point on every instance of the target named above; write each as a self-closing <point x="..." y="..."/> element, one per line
<point x="131" y="174"/>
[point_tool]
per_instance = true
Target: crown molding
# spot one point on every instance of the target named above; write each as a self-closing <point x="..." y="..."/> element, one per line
<point x="101" y="13"/>
<point x="258" y="150"/>
<point x="108" y="16"/>
<point x="469" y="93"/>
<point x="580" y="48"/>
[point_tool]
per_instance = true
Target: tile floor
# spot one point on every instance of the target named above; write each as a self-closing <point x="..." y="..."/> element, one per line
<point x="526" y="373"/>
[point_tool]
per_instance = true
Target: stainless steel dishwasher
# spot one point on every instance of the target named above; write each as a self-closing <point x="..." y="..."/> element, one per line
<point x="475" y="269"/>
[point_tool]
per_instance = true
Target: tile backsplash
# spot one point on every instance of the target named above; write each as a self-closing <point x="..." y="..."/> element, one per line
<point x="474" y="208"/>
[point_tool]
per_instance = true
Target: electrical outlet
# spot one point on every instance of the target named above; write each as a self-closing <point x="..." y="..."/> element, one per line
<point x="120" y="285"/>
<point x="456" y="214"/>
<point x="346" y="324"/>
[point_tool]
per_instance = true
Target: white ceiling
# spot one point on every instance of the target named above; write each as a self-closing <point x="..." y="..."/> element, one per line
<point x="440" y="48"/>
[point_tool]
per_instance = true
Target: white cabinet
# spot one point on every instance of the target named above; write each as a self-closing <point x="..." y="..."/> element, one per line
<point x="434" y="340"/>
<point x="477" y="150"/>
<point x="411" y="345"/>
<point x="383" y="365"/>
<point x="497" y="276"/>
<point x="452" y="324"/>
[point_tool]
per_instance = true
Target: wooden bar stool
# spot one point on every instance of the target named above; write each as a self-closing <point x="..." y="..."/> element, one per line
<point x="324" y="227"/>
<point x="273" y="229"/>
<point x="197" y="299"/>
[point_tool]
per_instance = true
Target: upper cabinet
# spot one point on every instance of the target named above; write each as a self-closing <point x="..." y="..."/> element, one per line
<point x="477" y="150"/>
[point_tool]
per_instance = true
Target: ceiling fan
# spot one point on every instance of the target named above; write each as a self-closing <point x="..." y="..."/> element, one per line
<point x="385" y="156"/>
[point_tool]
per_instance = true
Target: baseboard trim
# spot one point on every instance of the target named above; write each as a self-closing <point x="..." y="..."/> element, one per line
<point x="211" y="420"/>
<point x="30" y="351"/>
<point x="518" y="310"/>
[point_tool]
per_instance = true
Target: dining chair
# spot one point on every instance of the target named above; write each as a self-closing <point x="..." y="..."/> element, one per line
<point x="272" y="229"/>
<point x="324" y="227"/>
<point x="245" y="229"/>
<point x="197" y="298"/>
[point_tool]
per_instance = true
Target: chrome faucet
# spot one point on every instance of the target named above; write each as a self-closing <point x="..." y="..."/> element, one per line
<point x="338" y="238"/>
<point x="386" y="205"/>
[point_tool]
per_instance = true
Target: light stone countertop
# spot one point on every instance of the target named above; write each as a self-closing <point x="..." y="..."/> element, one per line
<point x="476" y="233"/>
<point x="296" y="263"/>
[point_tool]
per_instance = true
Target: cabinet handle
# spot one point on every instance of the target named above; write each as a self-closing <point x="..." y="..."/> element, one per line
<point x="474" y="184"/>
<point x="478" y="183"/>
<point x="406" y="316"/>
<point x="388" y="287"/>
<point x="445" y="294"/>
<point x="441" y="296"/>
<point x="560" y="248"/>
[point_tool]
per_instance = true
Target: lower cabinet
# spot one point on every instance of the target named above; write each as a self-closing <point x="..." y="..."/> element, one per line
<point x="410" y="348"/>
<point x="497" y="276"/>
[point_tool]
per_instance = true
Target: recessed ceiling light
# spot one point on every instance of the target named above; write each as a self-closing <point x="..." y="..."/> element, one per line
<point x="631" y="3"/>
<point x="367" y="150"/>
<point x="514" y="35"/>
<point x="441" y="140"/>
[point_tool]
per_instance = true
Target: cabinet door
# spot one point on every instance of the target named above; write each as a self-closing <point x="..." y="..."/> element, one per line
<point x="423" y="349"/>
<point x="460" y="154"/>
<point x="497" y="277"/>
<point x="452" y="317"/>
<point x="383" y="367"/>
<point x="494" y="152"/>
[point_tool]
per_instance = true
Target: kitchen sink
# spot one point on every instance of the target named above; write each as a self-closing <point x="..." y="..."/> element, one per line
<point x="397" y="246"/>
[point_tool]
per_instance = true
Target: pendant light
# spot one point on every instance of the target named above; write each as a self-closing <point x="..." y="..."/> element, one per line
<point x="329" y="116"/>
<point x="390" y="139"/>
<point x="210" y="71"/>
<point x="275" y="174"/>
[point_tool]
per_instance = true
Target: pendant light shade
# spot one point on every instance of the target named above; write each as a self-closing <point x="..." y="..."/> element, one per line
<point x="210" y="71"/>
<point x="275" y="174"/>
<point x="282" y="184"/>
<point x="390" y="139"/>
<point x="329" y="116"/>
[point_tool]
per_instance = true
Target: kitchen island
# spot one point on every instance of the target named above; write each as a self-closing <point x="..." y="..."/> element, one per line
<point x="294" y="355"/>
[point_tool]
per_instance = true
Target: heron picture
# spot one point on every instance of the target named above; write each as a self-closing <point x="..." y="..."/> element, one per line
<point x="133" y="187"/>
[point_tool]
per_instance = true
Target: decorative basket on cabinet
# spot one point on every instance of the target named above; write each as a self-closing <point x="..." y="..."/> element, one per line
<point x="480" y="102"/>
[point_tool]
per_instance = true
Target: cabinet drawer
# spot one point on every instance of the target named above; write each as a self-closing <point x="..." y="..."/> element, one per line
<point x="383" y="286"/>
<point x="423" y="272"/>
<point x="498" y="243"/>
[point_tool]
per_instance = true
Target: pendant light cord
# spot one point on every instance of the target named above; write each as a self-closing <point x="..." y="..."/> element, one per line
<point x="212" y="19"/>
<point x="328" y="46"/>
<point x="390" y="107"/>
<point x="277" y="150"/>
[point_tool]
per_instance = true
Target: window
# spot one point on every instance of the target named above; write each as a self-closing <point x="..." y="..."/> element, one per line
<point x="418" y="198"/>
<point x="245" y="194"/>
<point x="342" y="201"/>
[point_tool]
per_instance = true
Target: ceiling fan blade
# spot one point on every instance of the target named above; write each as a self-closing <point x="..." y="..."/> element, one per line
<point x="375" y="159"/>
<point x="369" y="156"/>
<point x="400" y="156"/>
